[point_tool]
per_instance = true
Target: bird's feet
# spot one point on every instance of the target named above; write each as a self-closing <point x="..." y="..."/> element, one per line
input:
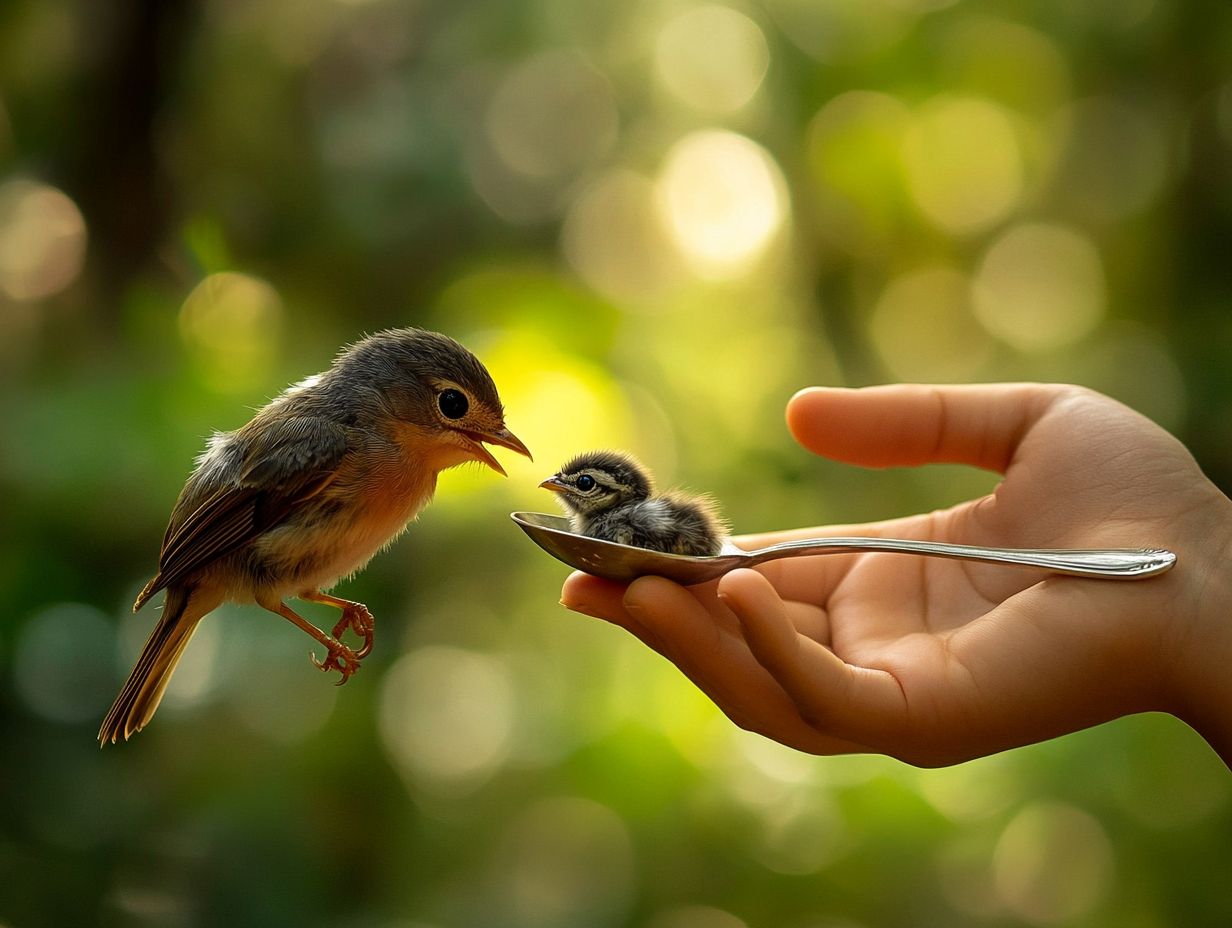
<point x="358" y="619"/>
<point x="338" y="656"/>
<point x="341" y="658"/>
<point x="355" y="616"/>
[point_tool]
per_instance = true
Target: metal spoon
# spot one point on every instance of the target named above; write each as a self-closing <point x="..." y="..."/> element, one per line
<point x="623" y="563"/>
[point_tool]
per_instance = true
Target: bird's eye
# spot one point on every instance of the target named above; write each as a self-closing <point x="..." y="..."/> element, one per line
<point x="586" y="483"/>
<point x="453" y="404"/>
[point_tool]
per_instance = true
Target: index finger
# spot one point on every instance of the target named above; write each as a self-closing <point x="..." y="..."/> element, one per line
<point x="912" y="424"/>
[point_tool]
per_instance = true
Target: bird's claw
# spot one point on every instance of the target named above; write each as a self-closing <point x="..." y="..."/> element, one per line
<point x="340" y="658"/>
<point x="357" y="618"/>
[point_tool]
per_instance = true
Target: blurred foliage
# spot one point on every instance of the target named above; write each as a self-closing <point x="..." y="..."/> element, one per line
<point x="654" y="221"/>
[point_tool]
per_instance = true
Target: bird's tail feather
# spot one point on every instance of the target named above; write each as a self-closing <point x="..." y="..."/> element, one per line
<point x="144" y="689"/>
<point x="148" y="591"/>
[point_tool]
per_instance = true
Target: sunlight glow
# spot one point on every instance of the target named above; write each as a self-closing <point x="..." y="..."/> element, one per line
<point x="536" y="397"/>
<point x="723" y="199"/>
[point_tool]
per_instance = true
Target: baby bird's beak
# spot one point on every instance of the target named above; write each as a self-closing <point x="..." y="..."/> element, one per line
<point x="502" y="437"/>
<point x="553" y="483"/>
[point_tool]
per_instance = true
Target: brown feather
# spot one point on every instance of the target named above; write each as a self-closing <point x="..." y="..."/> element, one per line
<point x="144" y="688"/>
<point x="271" y="485"/>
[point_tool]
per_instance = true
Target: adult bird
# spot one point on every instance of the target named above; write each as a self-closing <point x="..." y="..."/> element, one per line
<point x="317" y="482"/>
<point x="610" y="495"/>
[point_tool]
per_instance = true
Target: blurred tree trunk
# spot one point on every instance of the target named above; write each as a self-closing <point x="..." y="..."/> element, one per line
<point x="115" y="173"/>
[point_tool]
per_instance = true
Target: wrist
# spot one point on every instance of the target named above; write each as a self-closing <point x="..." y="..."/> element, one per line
<point x="1203" y="685"/>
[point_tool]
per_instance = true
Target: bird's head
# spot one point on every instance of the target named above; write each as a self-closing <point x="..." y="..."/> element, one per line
<point x="600" y="480"/>
<point x="435" y="395"/>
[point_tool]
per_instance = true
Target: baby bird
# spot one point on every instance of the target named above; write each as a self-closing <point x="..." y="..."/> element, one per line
<point x="319" y="480"/>
<point x="610" y="496"/>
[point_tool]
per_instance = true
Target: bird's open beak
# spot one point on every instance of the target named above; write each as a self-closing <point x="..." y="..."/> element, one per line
<point x="553" y="483"/>
<point x="502" y="437"/>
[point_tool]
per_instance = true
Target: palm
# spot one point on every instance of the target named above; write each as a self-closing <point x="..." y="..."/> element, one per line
<point x="935" y="660"/>
<point x="877" y="602"/>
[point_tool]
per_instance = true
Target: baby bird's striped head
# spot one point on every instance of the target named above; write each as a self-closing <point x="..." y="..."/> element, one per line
<point x="598" y="481"/>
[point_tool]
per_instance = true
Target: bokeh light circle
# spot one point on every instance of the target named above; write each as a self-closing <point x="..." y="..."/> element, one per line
<point x="56" y="663"/>
<point x="931" y="306"/>
<point x="1052" y="864"/>
<point x="712" y="57"/>
<point x="615" y="240"/>
<point x="962" y="162"/>
<point x="446" y="716"/>
<point x="1040" y="287"/>
<point x="854" y="145"/>
<point x="42" y="240"/>
<point x="232" y="322"/>
<point x="551" y="115"/>
<point x="723" y="199"/>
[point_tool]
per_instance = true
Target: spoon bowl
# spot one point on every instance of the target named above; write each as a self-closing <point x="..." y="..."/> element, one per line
<point x="624" y="563"/>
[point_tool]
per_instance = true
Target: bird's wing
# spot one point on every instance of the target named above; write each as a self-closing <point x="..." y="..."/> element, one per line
<point x="281" y="466"/>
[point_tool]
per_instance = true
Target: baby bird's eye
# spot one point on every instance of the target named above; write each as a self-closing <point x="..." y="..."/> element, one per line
<point x="453" y="404"/>
<point x="585" y="483"/>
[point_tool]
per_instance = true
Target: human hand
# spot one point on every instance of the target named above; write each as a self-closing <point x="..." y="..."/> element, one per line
<point x="937" y="661"/>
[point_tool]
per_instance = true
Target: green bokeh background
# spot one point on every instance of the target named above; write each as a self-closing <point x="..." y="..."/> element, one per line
<point x="654" y="221"/>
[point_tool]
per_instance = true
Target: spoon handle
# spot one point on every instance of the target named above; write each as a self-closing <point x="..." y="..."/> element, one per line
<point x="1112" y="563"/>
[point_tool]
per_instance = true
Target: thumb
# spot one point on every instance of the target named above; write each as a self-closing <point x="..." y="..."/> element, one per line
<point x="833" y="697"/>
